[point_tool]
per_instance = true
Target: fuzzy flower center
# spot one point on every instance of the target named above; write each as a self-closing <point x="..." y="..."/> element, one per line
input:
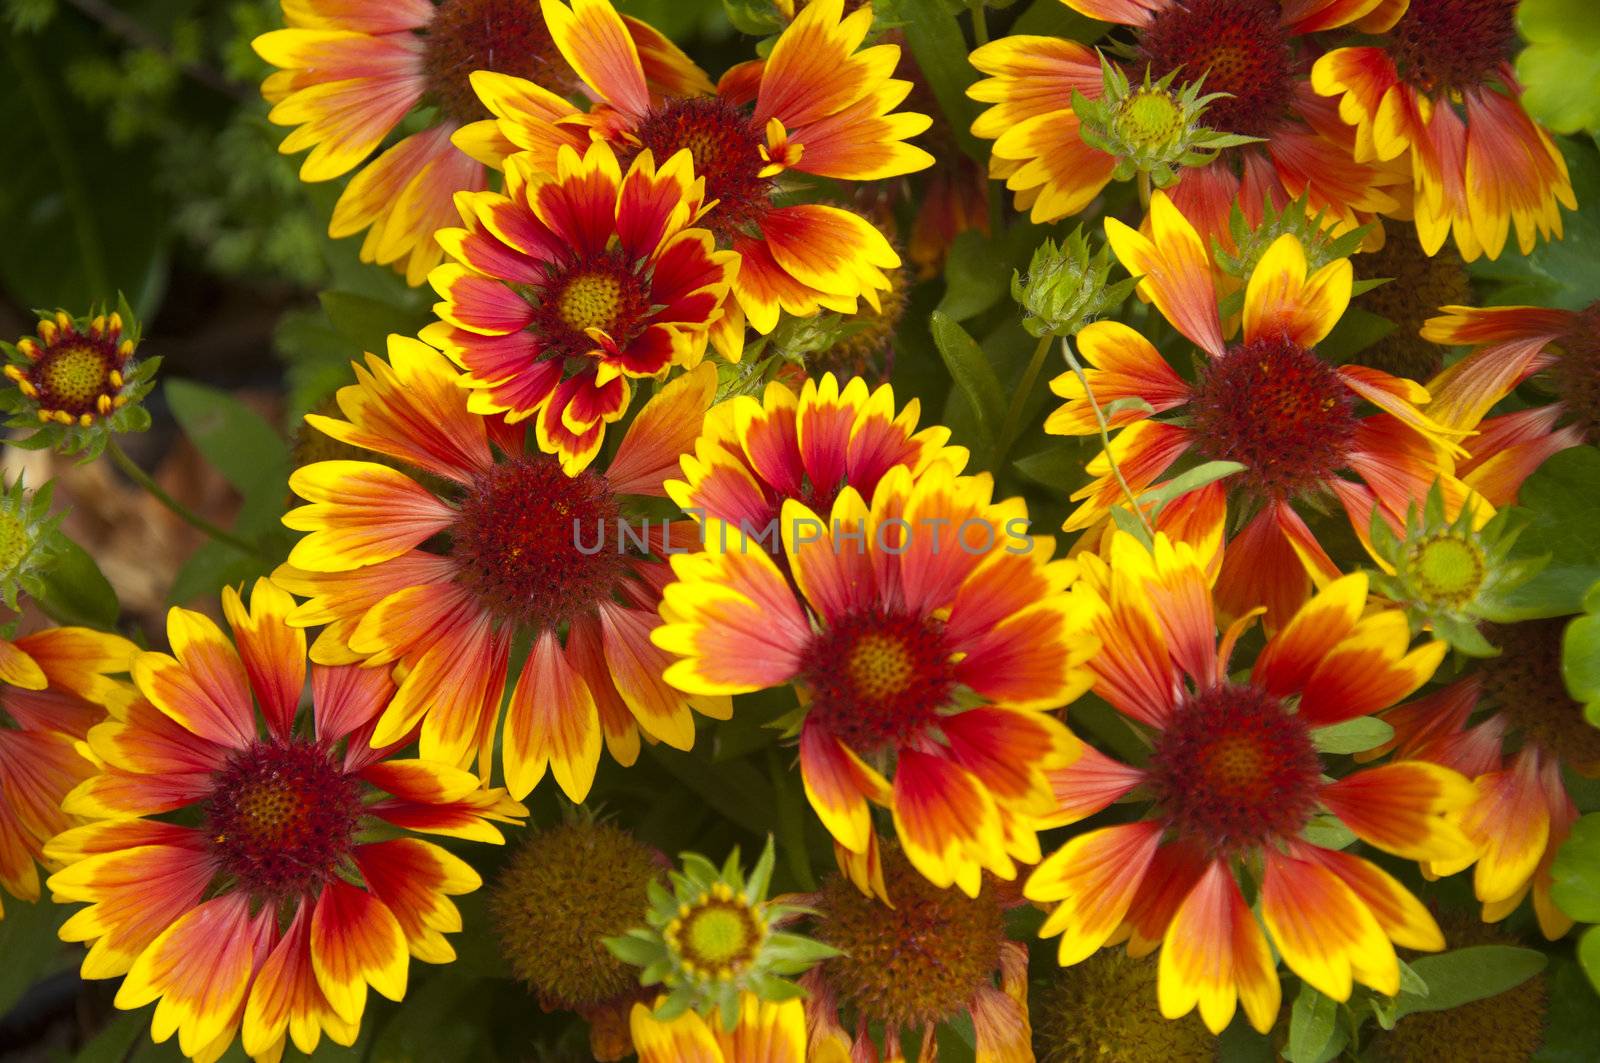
<point x="1448" y="569"/>
<point x="505" y="36"/>
<point x="282" y="817"/>
<point x="1149" y="118"/>
<point x="1279" y="410"/>
<point x="1234" y="769"/>
<point x="600" y="292"/>
<point x="726" y="147"/>
<point x="1240" y="48"/>
<point x="517" y="541"/>
<point x="1576" y="374"/>
<point x="1524" y="682"/>
<point x="877" y="678"/>
<point x="591" y="300"/>
<point x="13" y="541"/>
<point x="718" y="936"/>
<point x="1450" y="45"/>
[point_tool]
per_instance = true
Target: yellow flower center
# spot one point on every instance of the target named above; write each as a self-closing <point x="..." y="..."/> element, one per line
<point x="75" y="376"/>
<point x="591" y="301"/>
<point x="1448" y="569"/>
<point x="1150" y="117"/>
<point x="718" y="936"/>
<point x="880" y="666"/>
<point x="13" y="541"/>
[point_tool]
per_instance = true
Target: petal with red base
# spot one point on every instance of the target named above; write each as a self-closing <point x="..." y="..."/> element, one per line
<point x="1176" y="271"/>
<point x="1296" y="651"/>
<point x="285" y="999"/>
<point x="1410" y="808"/>
<point x="360" y="513"/>
<point x="1323" y="931"/>
<point x="1087" y="785"/>
<point x="415" y="879"/>
<point x="1120" y="364"/>
<point x="1095" y="877"/>
<point x="356" y="942"/>
<point x="1215" y="956"/>
<point x="1367" y="671"/>
<point x="593" y="38"/>
<point x="1509" y="822"/>
<point x="551" y="721"/>
<point x="203" y="688"/>
<point x="839" y="784"/>
<point x="733" y="619"/>
<point x="948" y="823"/>
<point x="1404" y="919"/>
<point x="814" y="70"/>
<point x="829" y="249"/>
<point x="274" y="653"/>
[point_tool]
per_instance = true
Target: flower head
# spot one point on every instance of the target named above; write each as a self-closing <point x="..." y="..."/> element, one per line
<point x="249" y="866"/>
<point x="778" y="1028"/>
<point x="436" y="572"/>
<point x="1233" y="781"/>
<point x="55" y="685"/>
<point x="77" y="383"/>
<point x="1437" y="92"/>
<point x="582" y="266"/>
<point x="1066" y="288"/>
<point x="1104" y="1010"/>
<point x="926" y="631"/>
<point x="26" y="531"/>
<point x="352" y="71"/>
<point x="819" y="104"/>
<point x="1414" y="285"/>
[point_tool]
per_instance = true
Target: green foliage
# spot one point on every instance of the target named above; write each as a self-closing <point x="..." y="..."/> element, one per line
<point x="1560" y="67"/>
<point x="1562" y="507"/>
<point x="1066" y="287"/>
<point x="1580" y="656"/>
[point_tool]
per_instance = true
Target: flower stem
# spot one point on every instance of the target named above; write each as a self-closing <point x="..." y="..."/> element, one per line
<point x="980" y="26"/>
<point x="1144" y="189"/>
<point x="1012" y="427"/>
<point x="183" y="512"/>
<point x="1105" y="436"/>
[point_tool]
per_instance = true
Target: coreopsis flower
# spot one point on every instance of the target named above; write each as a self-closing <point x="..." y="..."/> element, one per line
<point x="1438" y="92"/>
<point x="1266" y="401"/>
<point x="1511" y="726"/>
<point x="564" y="891"/>
<point x="931" y="958"/>
<point x="754" y="455"/>
<point x="436" y="575"/>
<point x="249" y="867"/>
<point x="1252" y="50"/>
<point x="582" y="265"/>
<point x="1511" y="344"/>
<point x="1234" y="779"/>
<point x="351" y="71"/>
<point x="76" y="382"/>
<point x="926" y="631"/>
<point x="54" y="686"/>
<point x="822" y="106"/>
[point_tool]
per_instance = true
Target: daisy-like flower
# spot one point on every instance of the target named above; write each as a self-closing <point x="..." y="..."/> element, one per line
<point x="822" y="105"/>
<point x="754" y="455"/>
<point x="1266" y="401"/>
<point x="350" y="71"/>
<point x="933" y="957"/>
<point x="1439" y="92"/>
<point x="579" y="266"/>
<point x="926" y="632"/>
<point x="439" y="580"/>
<point x="286" y="884"/>
<point x="54" y="686"/>
<point x="1249" y="49"/>
<point x="1235" y="779"/>
<point x="1512" y="344"/>
<point x="1511" y="727"/>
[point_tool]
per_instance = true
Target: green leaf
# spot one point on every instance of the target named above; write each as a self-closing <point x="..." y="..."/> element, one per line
<point x="368" y="322"/>
<point x="1589" y="954"/>
<point x="1059" y="467"/>
<point x="115" y="1042"/>
<point x="977" y="274"/>
<point x="1313" y="1022"/>
<point x="1577" y="871"/>
<point x="1564" y="509"/>
<point x="1352" y="736"/>
<point x="1572" y="1019"/>
<point x="1560" y="68"/>
<point x="1464" y="975"/>
<point x="1357" y="330"/>
<point x="940" y="49"/>
<point x="973" y="374"/>
<point x="235" y="439"/>
<point x="30" y="947"/>
<point x="445" y="1020"/>
<point x="1580" y="656"/>
<point x="75" y="590"/>
<point x="735" y="790"/>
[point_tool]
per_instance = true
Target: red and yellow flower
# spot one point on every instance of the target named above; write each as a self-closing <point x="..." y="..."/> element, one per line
<point x="350" y="71"/>
<point x="54" y="687"/>
<point x="582" y="265"/>
<point x="925" y="630"/>
<point x="818" y="104"/>
<point x="437" y="582"/>
<point x="1250" y="49"/>
<point x="765" y="1031"/>
<point x="1511" y="727"/>
<point x="1513" y="343"/>
<point x="1235" y="779"/>
<point x="1438" y="91"/>
<point x="1267" y="401"/>
<point x="297" y="888"/>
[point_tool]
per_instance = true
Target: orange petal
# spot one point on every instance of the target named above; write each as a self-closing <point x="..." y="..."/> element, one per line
<point x="551" y="720"/>
<point x="355" y="942"/>
<point x="1215" y="956"/>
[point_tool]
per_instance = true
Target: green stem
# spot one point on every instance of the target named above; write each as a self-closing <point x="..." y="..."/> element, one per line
<point x="183" y="512"/>
<point x="980" y="25"/>
<point x="1105" y="436"/>
<point x="1144" y="189"/>
<point x="1012" y="426"/>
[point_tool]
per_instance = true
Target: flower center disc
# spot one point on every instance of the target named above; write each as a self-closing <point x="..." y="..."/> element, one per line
<point x="727" y="152"/>
<point x="13" y="541"/>
<point x="1234" y="769"/>
<point x="1240" y="48"/>
<point x="1524" y="682"/>
<point x="282" y="817"/>
<point x="1149" y="118"/>
<point x="719" y="936"/>
<point x="600" y="293"/>
<point x="73" y="375"/>
<point x="1450" y="570"/>
<point x="518" y="535"/>
<point x="1279" y="410"/>
<point x="1576" y="373"/>
<point x="1449" y="45"/>
<point x="505" y="36"/>
<point x="591" y="300"/>
<point x="877" y="678"/>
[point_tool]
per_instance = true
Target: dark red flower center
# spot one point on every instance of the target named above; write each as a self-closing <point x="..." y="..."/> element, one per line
<point x="1524" y="683"/>
<point x="282" y="817"/>
<point x="1279" y="410"/>
<point x="600" y="292"/>
<point x="726" y="147"/>
<point x="75" y="374"/>
<point x="535" y="545"/>
<point x="505" y="36"/>
<point x="1240" y="48"/>
<point x="878" y="678"/>
<point x="1449" y="45"/>
<point x="1234" y="769"/>
<point x="1576" y="373"/>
